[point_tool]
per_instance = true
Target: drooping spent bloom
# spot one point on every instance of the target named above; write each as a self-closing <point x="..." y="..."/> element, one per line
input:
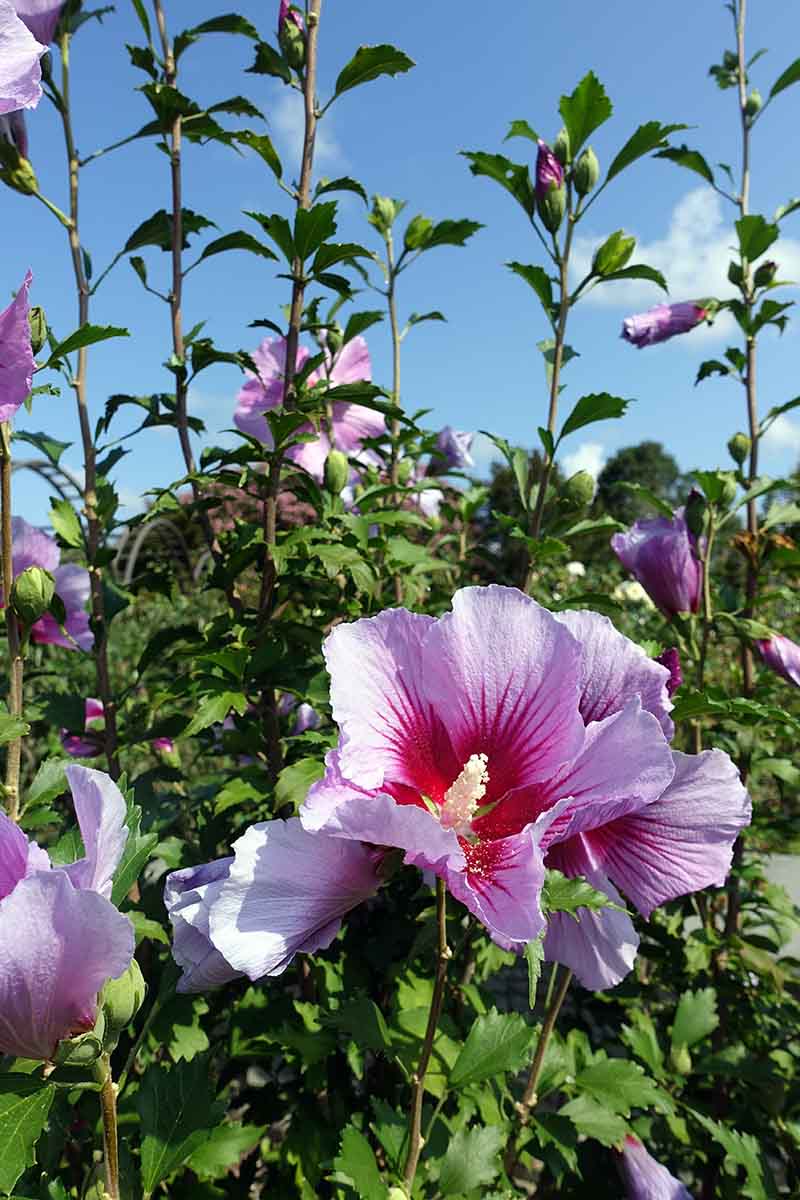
<point x="549" y="171"/>
<point x="20" y="69"/>
<point x="454" y="447"/>
<point x="90" y="743"/>
<point x="283" y="892"/>
<point x="16" y="354"/>
<point x="500" y="739"/>
<point x="783" y="656"/>
<point x="41" y="17"/>
<point x="661" y="553"/>
<point x="14" y="130"/>
<point x="671" y="659"/>
<point x="351" y="423"/>
<point x="644" y="1177"/>
<point x="32" y="547"/>
<point x="662" y="322"/>
<point x="61" y="938"/>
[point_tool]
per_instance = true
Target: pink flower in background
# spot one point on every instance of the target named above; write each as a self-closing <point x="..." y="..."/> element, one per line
<point x="60" y="937"/>
<point x="454" y="447"/>
<point x="33" y="548"/>
<point x="783" y="656"/>
<point x="644" y="1177"/>
<point x="90" y="744"/>
<point x="163" y="745"/>
<point x="661" y="554"/>
<point x="16" y="355"/>
<point x="549" y="172"/>
<point x="351" y="422"/>
<point x="661" y="323"/>
<point x="20" y="70"/>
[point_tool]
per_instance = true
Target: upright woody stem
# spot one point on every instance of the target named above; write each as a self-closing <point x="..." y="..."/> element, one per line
<point x="14" y="747"/>
<point x="391" y="297"/>
<point x="108" y="1109"/>
<point x="415" y="1141"/>
<point x="99" y="627"/>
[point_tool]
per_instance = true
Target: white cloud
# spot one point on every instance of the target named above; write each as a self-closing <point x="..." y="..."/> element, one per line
<point x="693" y="255"/>
<point x="782" y="437"/>
<point x="288" y="124"/>
<point x="589" y="456"/>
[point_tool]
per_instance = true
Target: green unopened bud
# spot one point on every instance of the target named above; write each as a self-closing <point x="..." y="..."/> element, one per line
<point x="728" y="494"/>
<point x="292" y="39"/>
<point x="739" y="447"/>
<point x="681" y="1060"/>
<point x="385" y="212"/>
<point x="334" y="337"/>
<point x="120" y="1000"/>
<point x="586" y="172"/>
<point x="32" y="594"/>
<point x="561" y="147"/>
<point x="405" y="469"/>
<point x="578" y="489"/>
<point x="695" y="512"/>
<point x="753" y="104"/>
<point x="730" y="61"/>
<point x="552" y="206"/>
<point x="82" y="1051"/>
<point x="765" y="274"/>
<point x="337" y="472"/>
<point x="15" y="171"/>
<point x="38" y="324"/>
<point x="735" y="273"/>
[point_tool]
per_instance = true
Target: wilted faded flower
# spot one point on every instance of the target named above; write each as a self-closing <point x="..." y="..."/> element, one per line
<point x="32" y="547"/>
<point x="644" y="1177"/>
<point x="662" y="554"/>
<point x="16" y="354"/>
<point x="783" y="656"/>
<point x="20" y="70"/>
<point x="60" y="936"/>
<point x="662" y="322"/>
<point x="351" y="423"/>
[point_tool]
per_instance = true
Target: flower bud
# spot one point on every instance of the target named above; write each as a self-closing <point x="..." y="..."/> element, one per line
<point x="765" y="274"/>
<point x="384" y="212"/>
<point x="681" y="1060"/>
<point x="739" y="447"/>
<point x="695" y="512"/>
<point x="586" y="172"/>
<point x="120" y="1000"/>
<point x="405" y="469"/>
<point x="334" y="336"/>
<point x="561" y="147"/>
<point x="32" y="594"/>
<point x="579" y="489"/>
<point x="730" y="61"/>
<point x="292" y="35"/>
<point x="551" y="207"/>
<point x="38" y="326"/>
<point x="84" y="1050"/>
<point x="728" y="488"/>
<point x="753" y="104"/>
<point x="337" y="472"/>
<point x="15" y="171"/>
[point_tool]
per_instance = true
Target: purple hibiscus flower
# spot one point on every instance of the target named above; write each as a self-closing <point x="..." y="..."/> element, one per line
<point x="662" y="322"/>
<point x="351" y="423"/>
<point x="783" y="656"/>
<point x="20" y="70"/>
<point x="32" y="547"/>
<point x="454" y="447"/>
<point x="61" y="938"/>
<point x="662" y="554"/>
<point x="16" y="355"/>
<point x="90" y="743"/>
<point x="41" y="17"/>
<point x="644" y="1177"/>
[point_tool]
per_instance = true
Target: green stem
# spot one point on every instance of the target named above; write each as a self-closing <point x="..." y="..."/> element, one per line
<point x="108" y="1109"/>
<point x="15" y="661"/>
<point x="391" y="297"/>
<point x="707" y="619"/>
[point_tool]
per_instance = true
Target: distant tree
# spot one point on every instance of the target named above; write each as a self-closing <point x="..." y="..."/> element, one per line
<point x="647" y="463"/>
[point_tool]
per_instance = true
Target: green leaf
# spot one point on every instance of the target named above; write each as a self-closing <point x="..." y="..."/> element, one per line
<point x="24" y="1106"/>
<point x="418" y="318"/>
<point x="599" y="406"/>
<point x="87" y="335"/>
<point x="594" y="1120"/>
<point x="451" y="233"/>
<point x="157" y="230"/>
<point x="638" y="271"/>
<point x="786" y="79"/>
<point x="534" y="956"/>
<point x="648" y="137"/>
<point x="521" y="129"/>
<point x="512" y="176"/>
<point x="783" y="210"/>
<point x="11" y="727"/>
<point x="313" y="226"/>
<point x="141" y="13"/>
<point x="49" y="446"/>
<point x="363" y="1021"/>
<point x="756" y="235"/>
<point x="695" y="1017"/>
<point x="270" y="62"/>
<point x="692" y="160"/>
<point x="48" y="782"/>
<point x="262" y="145"/>
<point x="146" y="929"/>
<point x="521" y="466"/>
<point x="643" y="493"/>
<point x="472" y="1160"/>
<point x="224" y="1148"/>
<point x="295" y="780"/>
<point x="237" y="240"/>
<point x="138" y="849"/>
<point x="343" y="184"/>
<point x="213" y="709"/>
<point x="177" y="1113"/>
<point x="370" y="62"/>
<point x="359" y="322"/>
<point x="642" y="1038"/>
<point x="65" y="522"/>
<point x="537" y="278"/>
<point x="336" y="252"/>
<point x="355" y="1163"/>
<point x="741" y="1150"/>
<point x="619" y="1085"/>
<point x="561" y="894"/>
<point x="497" y="1042"/>
<point x="587" y="108"/>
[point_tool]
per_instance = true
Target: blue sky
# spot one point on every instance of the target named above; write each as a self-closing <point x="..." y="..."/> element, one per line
<point x="478" y="67"/>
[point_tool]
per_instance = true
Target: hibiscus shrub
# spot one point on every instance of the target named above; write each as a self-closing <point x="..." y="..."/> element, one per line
<point x="358" y="839"/>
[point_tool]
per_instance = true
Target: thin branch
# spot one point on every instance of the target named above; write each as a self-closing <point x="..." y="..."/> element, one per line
<point x="15" y="661"/>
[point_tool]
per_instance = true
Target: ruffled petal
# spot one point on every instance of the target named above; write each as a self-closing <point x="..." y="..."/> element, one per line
<point x="20" y="70"/>
<point x="58" y="946"/>
<point x="352" y="363"/>
<point x="16" y="361"/>
<point x="501" y="884"/>
<point x="32" y="547"/>
<point x="614" y="669"/>
<point x="13" y="855"/>
<point x="101" y="811"/>
<point x="683" y="841"/>
<point x="74" y="587"/>
<point x="645" y="1178"/>
<point x="286" y="893"/>
<point x="188" y="896"/>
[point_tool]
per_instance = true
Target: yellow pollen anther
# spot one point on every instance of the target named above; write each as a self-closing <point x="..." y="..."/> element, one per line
<point x="462" y="798"/>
